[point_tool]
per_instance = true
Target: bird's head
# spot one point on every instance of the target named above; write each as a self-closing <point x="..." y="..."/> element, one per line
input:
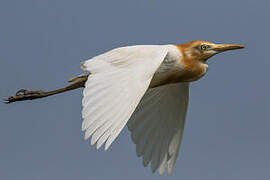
<point x="203" y="50"/>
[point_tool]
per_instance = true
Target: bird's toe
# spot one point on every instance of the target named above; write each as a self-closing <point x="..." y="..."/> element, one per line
<point x="21" y="92"/>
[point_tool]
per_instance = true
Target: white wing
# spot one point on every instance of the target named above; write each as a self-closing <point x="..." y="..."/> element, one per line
<point x="118" y="81"/>
<point x="157" y="125"/>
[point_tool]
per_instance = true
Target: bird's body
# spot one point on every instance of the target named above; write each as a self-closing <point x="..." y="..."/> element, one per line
<point x="145" y="87"/>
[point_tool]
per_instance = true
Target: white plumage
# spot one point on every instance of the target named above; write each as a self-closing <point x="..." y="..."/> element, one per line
<point x="119" y="84"/>
<point x="145" y="87"/>
<point x="157" y="125"/>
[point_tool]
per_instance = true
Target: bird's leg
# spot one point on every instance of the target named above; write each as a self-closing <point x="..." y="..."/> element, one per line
<point x="24" y="94"/>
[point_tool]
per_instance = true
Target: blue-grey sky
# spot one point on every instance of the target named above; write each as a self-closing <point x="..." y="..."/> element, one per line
<point x="42" y="43"/>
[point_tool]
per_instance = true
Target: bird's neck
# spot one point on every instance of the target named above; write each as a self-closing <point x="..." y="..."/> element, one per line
<point x="194" y="66"/>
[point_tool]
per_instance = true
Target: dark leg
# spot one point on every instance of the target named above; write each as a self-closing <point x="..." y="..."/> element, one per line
<point x="24" y="94"/>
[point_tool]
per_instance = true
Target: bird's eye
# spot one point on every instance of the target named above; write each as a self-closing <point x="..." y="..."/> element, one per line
<point x="204" y="47"/>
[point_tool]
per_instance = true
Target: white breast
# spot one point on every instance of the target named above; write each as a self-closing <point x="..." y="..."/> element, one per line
<point x="171" y="64"/>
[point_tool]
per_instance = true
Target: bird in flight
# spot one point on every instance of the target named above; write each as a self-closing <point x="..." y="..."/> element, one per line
<point x="143" y="86"/>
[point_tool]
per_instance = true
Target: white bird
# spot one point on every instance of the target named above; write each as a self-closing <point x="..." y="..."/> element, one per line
<point x="145" y="87"/>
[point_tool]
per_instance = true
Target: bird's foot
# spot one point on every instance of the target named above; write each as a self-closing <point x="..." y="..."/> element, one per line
<point x="24" y="94"/>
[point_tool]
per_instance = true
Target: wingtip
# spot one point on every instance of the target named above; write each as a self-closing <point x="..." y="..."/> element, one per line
<point x="145" y="163"/>
<point x="153" y="169"/>
<point x="170" y="170"/>
<point x="86" y="136"/>
<point x="83" y="128"/>
<point x="92" y="141"/>
<point x="106" y="146"/>
<point x="99" y="146"/>
<point x="160" y="172"/>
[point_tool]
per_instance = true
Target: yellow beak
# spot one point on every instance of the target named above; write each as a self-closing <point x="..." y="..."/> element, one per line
<point x="225" y="47"/>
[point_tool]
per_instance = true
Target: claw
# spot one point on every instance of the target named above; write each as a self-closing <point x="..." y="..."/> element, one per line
<point x="9" y="100"/>
<point x="24" y="94"/>
<point x="6" y="101"/>
<point x="21" y="91"/>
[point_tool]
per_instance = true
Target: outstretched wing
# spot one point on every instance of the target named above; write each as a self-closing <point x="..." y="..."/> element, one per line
<point x="157" y="125"/>
<point x="118" y="81"/>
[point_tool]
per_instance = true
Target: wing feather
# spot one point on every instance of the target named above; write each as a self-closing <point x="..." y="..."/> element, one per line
<point x="157" y="125"/>
<point x="117" y="82"/>
<point x="117" y="90"/>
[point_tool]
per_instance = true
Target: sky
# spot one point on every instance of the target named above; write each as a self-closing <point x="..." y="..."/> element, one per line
<point x="42" y="43"/>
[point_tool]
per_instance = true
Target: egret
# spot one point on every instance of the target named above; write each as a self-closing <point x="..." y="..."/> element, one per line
<point x="143" y="86"/>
